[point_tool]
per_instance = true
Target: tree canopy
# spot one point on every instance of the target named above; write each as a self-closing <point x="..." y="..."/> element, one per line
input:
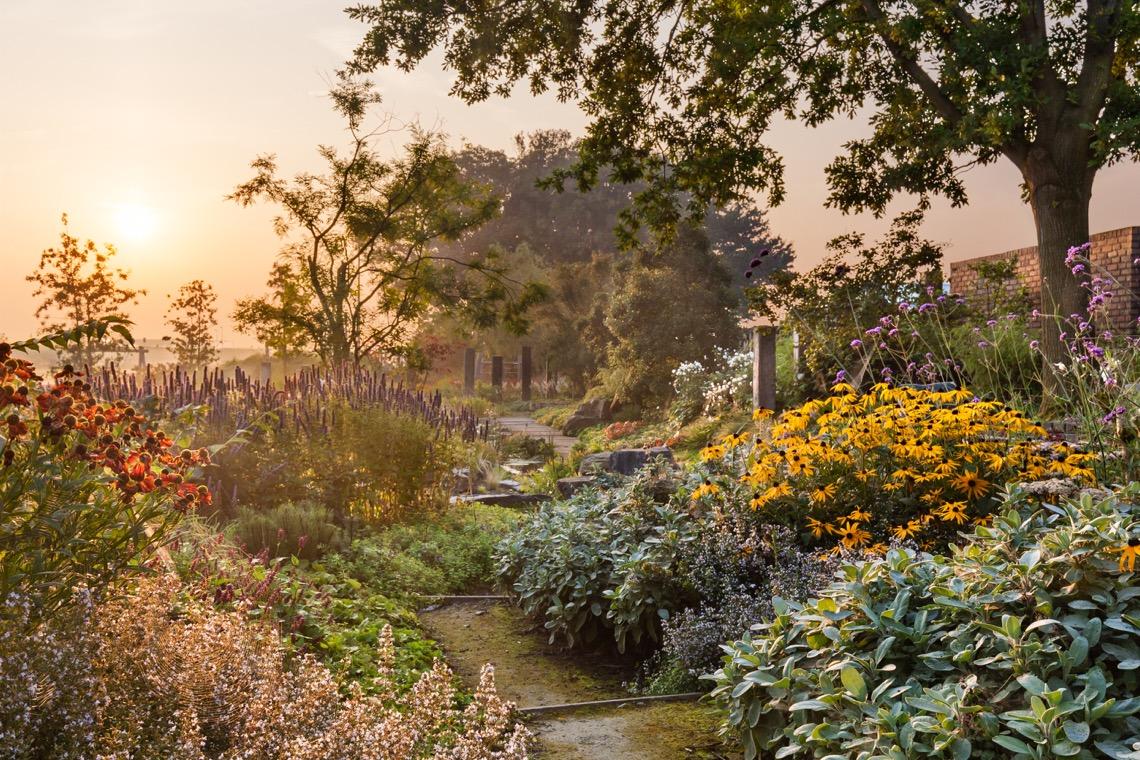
<point x="680" y="93"/>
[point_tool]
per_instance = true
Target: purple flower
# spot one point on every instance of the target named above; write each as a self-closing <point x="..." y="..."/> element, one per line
<point x="991" y="322"/>
<point x="873" y="331"/>
<point x="856" y="343"/>
<point x="840" y="377"/>
<point x="1035" y="344"/>
<point x="904" y="307"/>
<point x="1078" y="268"/>
<point x="925" y="308"/>
<point x="1118" y="411"/>
<point x="983" y="344"/>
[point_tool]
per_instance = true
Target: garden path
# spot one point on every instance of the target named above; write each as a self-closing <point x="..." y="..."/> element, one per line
<point x="527" y="426"/>
<point x="531" y="674"/>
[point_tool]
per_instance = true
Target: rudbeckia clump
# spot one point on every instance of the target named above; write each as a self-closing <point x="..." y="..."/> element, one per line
<point x="855" y="470"/>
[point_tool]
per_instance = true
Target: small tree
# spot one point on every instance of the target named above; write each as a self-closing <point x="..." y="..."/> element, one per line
<point x="193" y="315"/>
<point x="363" y="239"/>
<point x="277" y="319"/>
<point x="76" y="285"/>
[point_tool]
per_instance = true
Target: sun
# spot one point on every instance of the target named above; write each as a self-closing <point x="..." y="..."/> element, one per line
<point x="135" y="221"/>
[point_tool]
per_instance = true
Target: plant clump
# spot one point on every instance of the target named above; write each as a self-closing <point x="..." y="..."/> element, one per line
<point x="1023" y="643"/>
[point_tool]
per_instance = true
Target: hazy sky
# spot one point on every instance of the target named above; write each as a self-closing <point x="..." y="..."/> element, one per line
<point x="137" y="117"/>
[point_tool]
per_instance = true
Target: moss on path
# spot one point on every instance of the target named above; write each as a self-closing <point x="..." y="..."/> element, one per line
<point x="531" y="673"/>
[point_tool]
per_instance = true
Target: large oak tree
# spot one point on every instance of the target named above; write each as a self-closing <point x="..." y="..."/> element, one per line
<point x="680" y="93"/>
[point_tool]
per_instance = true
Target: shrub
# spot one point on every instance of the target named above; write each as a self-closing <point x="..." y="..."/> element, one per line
<point x="373" y="465"/>
<point x="147" y="676"/>
<point x="600" y="562"/>
<point x="721" y="384"/>
<point x="855" y="470"/>
<point x="1023" y="643"/>
<point x="302" y="530"/>
<point x="88" y="489"/>
<point x="617" y="430"/>
<point x="520" y="446"/>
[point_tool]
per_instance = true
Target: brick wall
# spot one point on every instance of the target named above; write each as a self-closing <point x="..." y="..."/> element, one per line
<point x="1113" y="255"/>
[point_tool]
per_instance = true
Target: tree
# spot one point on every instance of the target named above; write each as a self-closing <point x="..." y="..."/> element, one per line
<point x="76" y="285"/>
<point x="364" y="242"/>
<point x="275" y="319"/>
<point x="672" y="306"/>
<point x="193" y="315"/>
<point x="681" y="94"/>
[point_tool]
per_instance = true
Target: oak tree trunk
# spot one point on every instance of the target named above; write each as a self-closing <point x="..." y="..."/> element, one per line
<point x="1060" y="202"/>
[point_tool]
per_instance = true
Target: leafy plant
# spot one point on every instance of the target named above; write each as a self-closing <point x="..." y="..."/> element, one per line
<point x="89" y="489"/>
<point x="300" y="529"/>
<point x="604" y="561"/>
<point x="1022" y="643"/>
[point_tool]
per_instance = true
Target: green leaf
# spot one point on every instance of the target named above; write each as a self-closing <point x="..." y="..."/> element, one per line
<point x="853" y="681"/>
<point x="1076" y="732"/>
<point x="1012" y="744"/>
<point x="1032" y="684"/>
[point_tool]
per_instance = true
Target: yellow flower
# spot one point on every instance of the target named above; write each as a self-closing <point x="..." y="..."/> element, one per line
<point x="798" y="464"/>
<point x="707" y="488"/>
<point x="1128" y="554"/>
<point x="761" y="413"/>
<point x="952" y="511"/>
<point x="823" y="493"/>
<point x="859" y="515"/>
<point x="903" y="532"/>
<point x="852" y="536"/>
<point x="971" y="484"/>
<point x="709" y="453"/>
<point x="732" y="441"/>
<point x="818" y="528"/>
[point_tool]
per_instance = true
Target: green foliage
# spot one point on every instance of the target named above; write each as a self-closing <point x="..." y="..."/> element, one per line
<point x="602" y="562"/>
<point x="372" y="465"/>
<point x="1022" y="643"/>
<point x="846" y="294"/>
<point x="362" y="253"/>
<point x="521" y="446"/>
<point x="682" y="95"/>
<point x="649" y="342"/>
<point x="450" y="553"/>
<point x="304" y="530"/>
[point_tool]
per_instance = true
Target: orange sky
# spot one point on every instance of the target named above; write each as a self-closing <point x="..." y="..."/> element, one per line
<point x="130" y="114"/>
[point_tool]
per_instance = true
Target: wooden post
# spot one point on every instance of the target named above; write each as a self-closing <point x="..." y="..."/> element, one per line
<point x="469" y="372"/>
<point x="764" y="367"/>
<point x="497" y="374"/>
<point x="142" y="356"/>
<point x="524" y="372"/>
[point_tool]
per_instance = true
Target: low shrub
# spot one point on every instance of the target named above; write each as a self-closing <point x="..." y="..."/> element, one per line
<point x="602" y="562"/>
<point x="520" y="446"/>
<point x="625" y="560"/>
<point x="1024" y="643"/>
<point x="856" y="470"/>
<point x="150" y="676"/>
<point x="303" y="530"/>
<point x="616" y="430"/>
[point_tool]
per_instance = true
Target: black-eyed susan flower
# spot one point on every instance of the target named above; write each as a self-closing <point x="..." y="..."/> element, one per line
<point x="761" y="413"/>
<point x="824" y="493"/>
<point x="818" y="527"/>
<point x="1128" y="554"/>
<point x="952" y="511"/>
<point x="911" y="529"/>
<point x="859" y="515"/>
<point x="972" y="484"/>
<point x="708" y="488"/>
<point x="852" y="536"/>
